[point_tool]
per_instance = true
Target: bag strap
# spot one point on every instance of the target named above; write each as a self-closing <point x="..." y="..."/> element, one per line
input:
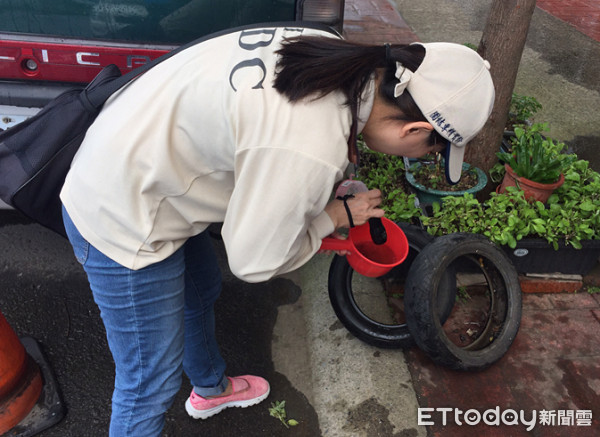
<point x="99" y="95"/>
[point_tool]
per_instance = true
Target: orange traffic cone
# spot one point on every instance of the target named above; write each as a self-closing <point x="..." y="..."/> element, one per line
<point x="20" y="379"/>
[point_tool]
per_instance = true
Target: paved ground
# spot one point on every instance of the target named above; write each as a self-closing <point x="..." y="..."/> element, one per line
<point x="44" y="294"/>
<point x="335" y="385"/>
<point x="551" y="366"/>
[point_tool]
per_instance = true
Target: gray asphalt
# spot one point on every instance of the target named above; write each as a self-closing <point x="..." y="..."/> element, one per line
<point x="45" y="295"/>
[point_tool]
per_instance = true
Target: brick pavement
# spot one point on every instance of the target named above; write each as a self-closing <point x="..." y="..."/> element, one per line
<point x="551" y="366"/>
<point x="583" y="14"/>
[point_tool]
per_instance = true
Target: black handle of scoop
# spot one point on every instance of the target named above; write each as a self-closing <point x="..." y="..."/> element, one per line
<point x="378" y="234"/>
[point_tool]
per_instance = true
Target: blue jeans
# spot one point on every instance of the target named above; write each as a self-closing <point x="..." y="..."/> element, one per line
<point x="159" y="321"/>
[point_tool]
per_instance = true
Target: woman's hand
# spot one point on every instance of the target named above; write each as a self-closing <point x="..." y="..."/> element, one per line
<point x="362" y="207"/>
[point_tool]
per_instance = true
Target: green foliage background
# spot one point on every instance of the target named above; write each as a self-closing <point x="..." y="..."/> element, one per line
<point x="572" y="213"/>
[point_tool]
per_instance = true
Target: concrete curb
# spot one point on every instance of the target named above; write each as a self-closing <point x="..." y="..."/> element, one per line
<point x="357" y="390"/>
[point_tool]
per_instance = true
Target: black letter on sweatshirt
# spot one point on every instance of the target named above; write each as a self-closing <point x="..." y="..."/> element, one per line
<point x="256" y="62"/>
<point x="259" y="43"/>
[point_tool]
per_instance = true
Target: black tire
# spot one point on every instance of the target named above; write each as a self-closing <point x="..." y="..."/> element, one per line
<point x="361" y="325"/>
<point x="500" y="323"/>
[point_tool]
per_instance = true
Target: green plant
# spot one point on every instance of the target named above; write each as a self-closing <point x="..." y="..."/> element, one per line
<point x="522" y="109"/>
<point x="571" y="214"/>
<point x="429" y="175"/>
<point x="432" y="174"/>
<point x="593" y="290"/>
<point x="277" y="411"/>
<point x="462" y="295"/>
<point x="535" y="157"/>
<point x="504" y="219"/>
<point x="401" y="206"/>
<point x="386" y="173"/>
<point x="497" y="172"/>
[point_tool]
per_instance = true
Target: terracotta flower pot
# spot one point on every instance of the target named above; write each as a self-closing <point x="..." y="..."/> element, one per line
<point x="533" y="190"/>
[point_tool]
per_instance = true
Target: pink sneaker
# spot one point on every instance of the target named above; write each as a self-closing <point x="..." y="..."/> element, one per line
<point x="247" y="390"/>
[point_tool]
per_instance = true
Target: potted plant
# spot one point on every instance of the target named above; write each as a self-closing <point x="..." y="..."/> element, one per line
<point x="521" y="112"/>
<point x="428" y="179"/>
<point x="561" y="235"/>
<point x="534" y="164"/>
<point x="522" y="109"/>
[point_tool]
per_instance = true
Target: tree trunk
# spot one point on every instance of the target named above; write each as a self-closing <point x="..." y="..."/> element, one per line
<point x="502" y="45"/>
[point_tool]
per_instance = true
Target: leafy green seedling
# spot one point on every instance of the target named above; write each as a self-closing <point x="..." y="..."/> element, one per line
<point x="593" y="290"/>
<point x="277" y="410"/>
<point x="462" y="295"/>
<point x="522" y="109"/>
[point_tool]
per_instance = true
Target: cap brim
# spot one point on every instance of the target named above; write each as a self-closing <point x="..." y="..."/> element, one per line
<point x="454" y="160"/>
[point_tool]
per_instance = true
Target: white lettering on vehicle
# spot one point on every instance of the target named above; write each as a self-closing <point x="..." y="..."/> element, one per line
<point x="137" y="60"/>
<point x="81" y="61"/>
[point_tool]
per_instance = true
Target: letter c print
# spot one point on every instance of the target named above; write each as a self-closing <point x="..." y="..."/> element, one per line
<point x="249" y="63"/>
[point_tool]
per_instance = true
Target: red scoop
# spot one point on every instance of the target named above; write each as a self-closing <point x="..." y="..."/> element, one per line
<point x="366" y="257"/>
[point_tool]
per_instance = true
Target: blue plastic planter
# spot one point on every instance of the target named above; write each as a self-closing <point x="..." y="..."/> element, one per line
<point x="429" y="195"/>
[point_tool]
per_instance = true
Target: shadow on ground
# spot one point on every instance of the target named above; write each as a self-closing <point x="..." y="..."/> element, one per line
<point x="44" y="294"/>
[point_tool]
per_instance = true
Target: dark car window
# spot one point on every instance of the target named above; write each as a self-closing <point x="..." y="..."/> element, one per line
<point x="152" y="21"/>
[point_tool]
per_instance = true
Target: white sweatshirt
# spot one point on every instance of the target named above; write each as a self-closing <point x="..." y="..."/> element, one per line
<point x="204" y="138"/>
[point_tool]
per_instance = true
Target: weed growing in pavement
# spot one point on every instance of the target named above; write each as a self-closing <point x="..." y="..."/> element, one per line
<point x="277" y="410"/>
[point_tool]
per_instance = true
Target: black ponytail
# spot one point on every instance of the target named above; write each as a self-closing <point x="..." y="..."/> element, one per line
<point x="316" y="66"/>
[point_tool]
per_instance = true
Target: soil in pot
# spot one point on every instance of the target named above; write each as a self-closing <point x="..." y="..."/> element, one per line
<point x="434" y="186"/>
<point x="434" y="177"/>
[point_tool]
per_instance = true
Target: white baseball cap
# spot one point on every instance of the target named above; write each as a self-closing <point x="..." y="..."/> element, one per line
<point x="453" y="89"/>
